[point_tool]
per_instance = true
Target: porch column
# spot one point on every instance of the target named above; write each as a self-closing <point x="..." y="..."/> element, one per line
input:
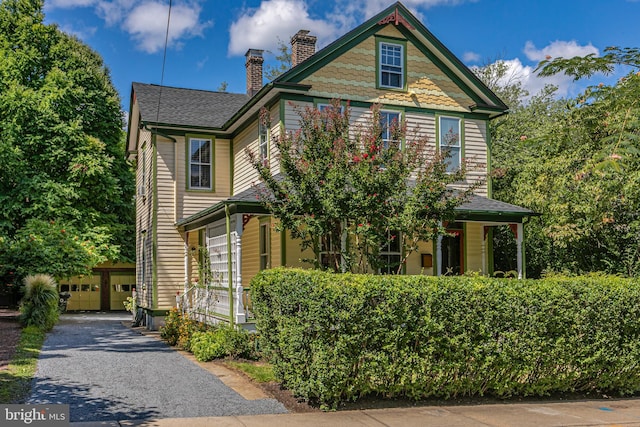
<point x="186" y="262"/>
<point x="186" y="274"/>
<point x="519" y="240"/>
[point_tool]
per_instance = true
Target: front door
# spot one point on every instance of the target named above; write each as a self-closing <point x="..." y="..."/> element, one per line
<point x="453" y="251"/>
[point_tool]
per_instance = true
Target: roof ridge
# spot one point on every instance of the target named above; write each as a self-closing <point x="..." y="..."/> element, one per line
<point x="188" y="88"/>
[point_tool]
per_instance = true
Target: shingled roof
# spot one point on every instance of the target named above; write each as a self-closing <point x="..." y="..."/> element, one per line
<point x="186" y="107"/>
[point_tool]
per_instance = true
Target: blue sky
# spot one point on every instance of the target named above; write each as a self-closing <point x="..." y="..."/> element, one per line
<point x="208" y="39"/>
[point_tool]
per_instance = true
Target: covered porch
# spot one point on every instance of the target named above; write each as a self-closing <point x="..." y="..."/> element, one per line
<point x="224" y="250"/>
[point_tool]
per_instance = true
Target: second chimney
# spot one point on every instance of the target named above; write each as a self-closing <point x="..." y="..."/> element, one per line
<point x="302" y="46"/>
<point x="254" y="71"/>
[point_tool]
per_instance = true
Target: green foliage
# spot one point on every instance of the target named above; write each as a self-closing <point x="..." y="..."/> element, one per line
<point x="15" y="381"/>
<point x="586" y="66"/>
<point x="207" y="342"/>
<point x="334" y="338"/>
<point x="284" y="62"/>
<point x="39" y="307"/>
<point x="130" y="305"/>
<point x="179" y="329"/>
<point x="260" y="372"/>
<point x="219" y="342"/>
<point x="57" y="248"/>
<point x="339" y="183"/>
<point x="61" y="144"/>
<point x="577" y="163"/>
<point x="170" y="331"/>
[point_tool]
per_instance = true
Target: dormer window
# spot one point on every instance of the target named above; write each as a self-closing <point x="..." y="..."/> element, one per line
<point x="391" y="60"/>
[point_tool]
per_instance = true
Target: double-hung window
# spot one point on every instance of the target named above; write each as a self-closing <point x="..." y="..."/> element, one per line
<point x="200" y="166"/>
<point x="389" y="121"/>
<point x="328" y="253"/>
<point x="391" y="254"/>
<point x="390" y="67"/>
<point x="263" y="132"/>
<point x="451" y="142"/>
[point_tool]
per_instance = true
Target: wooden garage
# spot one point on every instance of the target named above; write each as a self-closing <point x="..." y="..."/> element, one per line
<point x="104" y="290"/>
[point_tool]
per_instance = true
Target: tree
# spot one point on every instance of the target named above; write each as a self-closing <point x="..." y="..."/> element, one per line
<point x="284" y="62"/>
<point x="576" y="162"/>
<point x="62" y="163"/>
<point x="346" y="191"/>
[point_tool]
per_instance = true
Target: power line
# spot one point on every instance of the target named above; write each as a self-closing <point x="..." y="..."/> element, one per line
<point x="164" y="61"/>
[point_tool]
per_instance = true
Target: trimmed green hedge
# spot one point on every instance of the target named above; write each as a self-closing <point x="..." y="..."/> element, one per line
<point x="334" y="337"/>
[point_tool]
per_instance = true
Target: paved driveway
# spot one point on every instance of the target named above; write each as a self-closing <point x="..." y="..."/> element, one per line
<point x="107" y="372"/>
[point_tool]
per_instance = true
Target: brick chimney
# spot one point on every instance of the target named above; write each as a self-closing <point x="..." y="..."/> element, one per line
<point x="302" y="46"/>
<point x="254" y="71"/>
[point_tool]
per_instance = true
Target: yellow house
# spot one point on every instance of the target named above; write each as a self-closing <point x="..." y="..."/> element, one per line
<point x="196" y="198"/>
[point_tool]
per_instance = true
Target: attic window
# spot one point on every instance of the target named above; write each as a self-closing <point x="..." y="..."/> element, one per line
<point x="391" y="65"/>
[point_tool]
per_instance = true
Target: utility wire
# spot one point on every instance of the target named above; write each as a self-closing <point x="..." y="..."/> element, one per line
<point x="164" y="61"/>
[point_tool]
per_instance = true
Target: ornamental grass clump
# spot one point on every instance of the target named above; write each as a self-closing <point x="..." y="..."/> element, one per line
<point x="39" y="306"/>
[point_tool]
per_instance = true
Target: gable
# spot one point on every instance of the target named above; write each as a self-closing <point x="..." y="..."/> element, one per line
<point x="352" y="75"/>
<point x="433" y="77"/>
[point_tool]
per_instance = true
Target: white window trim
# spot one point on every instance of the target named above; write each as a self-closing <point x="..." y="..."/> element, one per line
<point x="323" y="105"/>
<point x="441" y="143"/>
<point x="387" y="141"/>
<point x="210" y="164"/>
<point x="389" y="253"/>
<point x="263" y="143"/>
<point x="381" y="65"/>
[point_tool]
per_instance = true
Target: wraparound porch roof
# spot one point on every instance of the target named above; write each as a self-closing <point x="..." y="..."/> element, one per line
<point x="477" y="208"/>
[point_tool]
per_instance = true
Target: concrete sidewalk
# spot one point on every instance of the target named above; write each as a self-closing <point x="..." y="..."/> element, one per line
<point x="614" y="412"/>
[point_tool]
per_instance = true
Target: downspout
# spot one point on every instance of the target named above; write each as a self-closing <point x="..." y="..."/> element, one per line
<point x="229" y="263"/>
<point x="155" y="132"/>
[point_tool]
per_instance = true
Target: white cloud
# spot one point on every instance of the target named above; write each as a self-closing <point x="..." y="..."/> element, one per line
<point x="147" y="24"/>
<point x="470" y="57"/>
<point x="557" y="49"/>
<point x="146" y="21"/>
<point x="368" y="8"/>
<point x="260" y="28"/>
<point x="83" y="33"/>
<point x="67" y="4"/>
<point x="517" y="71"/>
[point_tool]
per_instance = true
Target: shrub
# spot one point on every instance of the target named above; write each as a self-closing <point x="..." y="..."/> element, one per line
<point x="39" y="306"/>
<point x="170" y="330"/>
<point x="222" y="341"/>
<point x="336" y="337"/>
<point x="186" y="329"/>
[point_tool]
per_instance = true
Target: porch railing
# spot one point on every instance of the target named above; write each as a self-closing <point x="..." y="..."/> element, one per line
<point x="210" y="304"/>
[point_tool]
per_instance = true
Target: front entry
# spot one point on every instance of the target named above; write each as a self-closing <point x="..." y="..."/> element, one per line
<point x="453" y="251"/>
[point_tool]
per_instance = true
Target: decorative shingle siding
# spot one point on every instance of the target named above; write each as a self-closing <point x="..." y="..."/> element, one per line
<point x="353" y="75"/>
